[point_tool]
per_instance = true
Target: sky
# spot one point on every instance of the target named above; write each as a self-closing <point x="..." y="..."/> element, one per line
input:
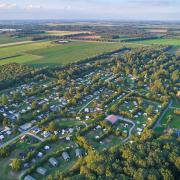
<point x="90" y="9"/>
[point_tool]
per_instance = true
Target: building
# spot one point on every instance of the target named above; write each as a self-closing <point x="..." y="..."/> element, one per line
<point x="28" y="177"/>
<point x="41" y="171"/>
<point x="65" y="156"/>
<point x="53" y="161"/>
<point x="26" y="126"/>
<point x="112" y="119"/>
<point x="79" y="152"/>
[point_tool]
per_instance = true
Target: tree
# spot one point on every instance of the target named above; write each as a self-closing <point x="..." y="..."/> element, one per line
<point x="5" y="122"/>
<point x="149" y="110"/>
<point x="16" y="96"/>
<point x="45" y="107"/>
<point x="114" y="109"/>
<point x="166" y="173"/>
<point x="16" y="164"/>
<point x="140" y="101"/>
<point x="4" y="152"/>
<point x="175" y="75"/>
<point x="170" y="118"/>
<point x="52" y="126"/>
<point x="15" y="130"/>
<point x="4" y="100"/>
<point x="34" y="105"/>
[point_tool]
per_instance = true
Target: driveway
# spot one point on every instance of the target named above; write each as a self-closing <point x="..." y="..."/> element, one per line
<point x="130" y="131"/>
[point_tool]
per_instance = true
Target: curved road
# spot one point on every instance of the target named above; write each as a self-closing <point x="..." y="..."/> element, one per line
<point x="130" y="131"/>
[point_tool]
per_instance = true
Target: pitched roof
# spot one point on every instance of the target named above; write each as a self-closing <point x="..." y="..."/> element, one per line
<point x="41" y="170"/>
<point x="28" y="177"/>
<point x="112" y="119"/>
<point x="65" y="155"/>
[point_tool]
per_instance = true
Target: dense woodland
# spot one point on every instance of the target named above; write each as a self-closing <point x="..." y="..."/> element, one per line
<point x="153" y="157"/>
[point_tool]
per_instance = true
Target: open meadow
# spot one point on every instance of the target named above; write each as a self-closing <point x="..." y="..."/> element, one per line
<point x="48" y="53"/>
<point x="172" y="42"/>
<point x="11" y="39"/>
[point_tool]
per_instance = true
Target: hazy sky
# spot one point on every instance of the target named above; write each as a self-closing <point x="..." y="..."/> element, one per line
<point x="91" y="9"/>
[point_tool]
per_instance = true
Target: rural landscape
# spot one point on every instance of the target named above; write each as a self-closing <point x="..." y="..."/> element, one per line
<point x="89" y="100"/>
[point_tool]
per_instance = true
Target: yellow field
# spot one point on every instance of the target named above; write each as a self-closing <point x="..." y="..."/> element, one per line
<point x="63" y="33"/>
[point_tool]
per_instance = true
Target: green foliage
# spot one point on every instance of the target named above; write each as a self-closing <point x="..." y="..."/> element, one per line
<point x="16" y="164"/>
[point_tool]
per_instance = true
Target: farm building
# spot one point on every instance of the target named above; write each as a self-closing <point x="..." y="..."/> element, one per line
<point x="65" y="156"/>
<point x="53" y="161"/>
<point x="41" y="171"/>
<point x="28" y="177"/>
<point x="62" y="42"/>
<point x="112" y="119"/>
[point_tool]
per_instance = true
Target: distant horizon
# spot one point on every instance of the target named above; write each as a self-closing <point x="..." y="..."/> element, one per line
<point x="129" y="10"/>
<point x="90" y="20"/>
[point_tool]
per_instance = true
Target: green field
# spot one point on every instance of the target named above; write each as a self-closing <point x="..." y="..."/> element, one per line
<point x="19" y="49"/>
<point x="48" y="53"/>
<point x="7" y="39"/>
<point x="173" y="42"/>
<point x="175" y="123"/>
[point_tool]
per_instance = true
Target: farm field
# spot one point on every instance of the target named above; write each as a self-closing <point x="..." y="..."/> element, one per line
<point x="63" y="33"/>
<point x="19" y="49"/>
<point x="47" y="54"/>
<point x="7" y="39"/>
<point x="172" y="42"/>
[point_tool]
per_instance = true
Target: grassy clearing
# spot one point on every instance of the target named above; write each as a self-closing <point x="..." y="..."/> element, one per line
<point x="175" y="123"/>
<point x="176" y="103"/>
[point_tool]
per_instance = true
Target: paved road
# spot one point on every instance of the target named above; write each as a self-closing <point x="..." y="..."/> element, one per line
<point x="86" y="105"/>
<point x="17" y="137"/>
<point x="37" y="137"/>
<point x="130" y="131"/>
<point x="83" y="122"/>
<point x="157" y="124"/>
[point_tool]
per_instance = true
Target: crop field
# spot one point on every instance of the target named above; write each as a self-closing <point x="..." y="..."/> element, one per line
<point x="47" y="54"/>
<point x="7" y="39"/>
<point x="18" y="49"/>
<point x="173" y="42"/>
<point x="63" y="33"/>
